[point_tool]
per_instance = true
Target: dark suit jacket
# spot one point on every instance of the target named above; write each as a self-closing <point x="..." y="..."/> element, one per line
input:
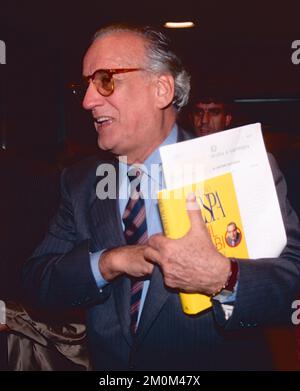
<point x="58" y="275"/>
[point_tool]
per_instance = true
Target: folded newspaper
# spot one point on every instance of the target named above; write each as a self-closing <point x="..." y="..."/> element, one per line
<point x="231" y="176"/>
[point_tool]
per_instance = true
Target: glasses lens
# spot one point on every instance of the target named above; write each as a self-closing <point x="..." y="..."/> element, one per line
<point x="104" y="82"/>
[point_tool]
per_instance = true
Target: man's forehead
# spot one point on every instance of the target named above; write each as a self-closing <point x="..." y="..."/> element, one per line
<point x="114" y="50"/>
<point x="231" y="227"/>
<point x="211" y="105"/>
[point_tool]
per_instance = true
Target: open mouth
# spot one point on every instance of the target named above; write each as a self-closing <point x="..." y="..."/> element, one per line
<point x="103" y="121"/>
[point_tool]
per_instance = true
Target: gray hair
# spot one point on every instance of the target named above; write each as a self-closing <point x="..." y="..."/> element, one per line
<point x="161" y="58"/>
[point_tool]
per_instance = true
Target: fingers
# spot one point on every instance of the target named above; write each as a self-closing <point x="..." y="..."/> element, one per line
<point x="194" y="213"/>
<point x="154" y="249"/>
<point x="146" y="268"/>
<point x="152" y="255"/>
<point x="156" y="241"/>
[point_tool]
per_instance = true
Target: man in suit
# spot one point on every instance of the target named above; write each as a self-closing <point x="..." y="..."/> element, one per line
<point x="135" y="87"/>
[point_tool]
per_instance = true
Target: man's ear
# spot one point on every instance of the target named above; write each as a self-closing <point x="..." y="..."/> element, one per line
<point x="164" y="90"/>
<point x="228" y="120"/>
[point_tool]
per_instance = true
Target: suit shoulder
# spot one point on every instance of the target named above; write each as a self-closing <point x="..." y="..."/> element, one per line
<point x="276" y="172"/>
<point x="184" y="135"/>
<point x="84" y="164"/>
<point x="83" y="173"/>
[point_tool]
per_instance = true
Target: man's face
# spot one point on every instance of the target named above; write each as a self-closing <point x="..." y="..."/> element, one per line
<point x="232" y="231"/>
<point x="209" y="118"/>
<point x="126" y="121"/>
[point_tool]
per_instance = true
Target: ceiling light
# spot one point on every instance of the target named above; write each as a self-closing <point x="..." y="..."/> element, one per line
<point x="179" y="25"/>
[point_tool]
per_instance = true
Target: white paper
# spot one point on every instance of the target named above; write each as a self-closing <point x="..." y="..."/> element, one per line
<point x="242" y="152"/>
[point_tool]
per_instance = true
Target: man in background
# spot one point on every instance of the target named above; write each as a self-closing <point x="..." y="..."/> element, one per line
<point x="210" y="115"/>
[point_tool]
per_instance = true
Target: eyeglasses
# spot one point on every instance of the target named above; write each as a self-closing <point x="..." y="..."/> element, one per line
<point x="102" y="79"/>
<point x="214" y="111"/>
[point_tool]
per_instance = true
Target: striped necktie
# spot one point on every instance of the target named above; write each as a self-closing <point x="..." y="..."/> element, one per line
<point x="134" y="219"/>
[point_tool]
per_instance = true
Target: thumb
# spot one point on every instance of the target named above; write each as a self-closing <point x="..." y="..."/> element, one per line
<point x="194" y="212"/>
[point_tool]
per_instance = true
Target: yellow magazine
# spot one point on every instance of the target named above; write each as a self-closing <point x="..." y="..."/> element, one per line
<point x="220" y="210"/>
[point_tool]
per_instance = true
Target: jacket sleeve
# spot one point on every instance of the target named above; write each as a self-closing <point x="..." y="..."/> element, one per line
<point x="58" y="275"/>
<point x="267" y="287"/>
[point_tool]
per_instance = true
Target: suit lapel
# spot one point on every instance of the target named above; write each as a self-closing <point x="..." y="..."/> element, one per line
<point x="157" y="293"/>
<point x="107" y="233"/>
<point x="155" y="299"/>
<point x="106" y="226"/>
<point x="183" y="135"/>
<point x="121" y="292"/>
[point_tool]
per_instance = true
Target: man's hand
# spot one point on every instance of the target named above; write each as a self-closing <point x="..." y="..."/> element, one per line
<point x="128" y="260"/>
<point x="192" y="263"/>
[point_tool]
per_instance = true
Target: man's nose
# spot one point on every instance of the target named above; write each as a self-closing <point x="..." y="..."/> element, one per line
<point x="92" y="98"/>
<point x="205" y="118"/>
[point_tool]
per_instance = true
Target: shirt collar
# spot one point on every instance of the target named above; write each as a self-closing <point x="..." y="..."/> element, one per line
<point x="154" y="158"/>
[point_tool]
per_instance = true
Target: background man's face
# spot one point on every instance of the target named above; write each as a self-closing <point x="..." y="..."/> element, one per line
<point x="232" y="231"/>
<point x="209" y="118"/>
